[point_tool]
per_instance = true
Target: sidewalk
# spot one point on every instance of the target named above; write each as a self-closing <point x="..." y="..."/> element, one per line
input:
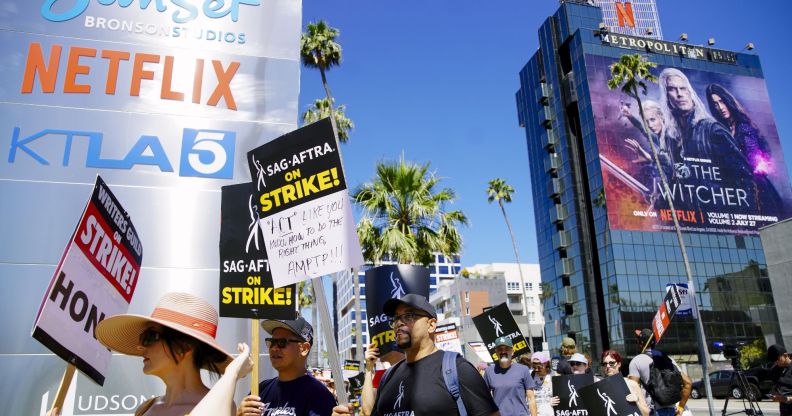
<point x="699" y="407"/>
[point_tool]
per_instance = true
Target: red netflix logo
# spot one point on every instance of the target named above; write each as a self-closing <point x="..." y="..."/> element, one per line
<point x="624" y="12"/>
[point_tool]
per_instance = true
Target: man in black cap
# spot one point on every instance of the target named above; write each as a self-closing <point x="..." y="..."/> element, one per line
<point x="415" y="386"/>
<point x="294" y="392"/>
<point x="667" y="400"/>
<point x="782" y="392"/>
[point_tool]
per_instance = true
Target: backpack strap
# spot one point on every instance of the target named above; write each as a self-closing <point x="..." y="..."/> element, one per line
<point x="451" y="378"/>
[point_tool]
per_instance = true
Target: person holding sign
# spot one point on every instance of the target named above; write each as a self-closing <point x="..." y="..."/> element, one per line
<point x="542" y="374"/>
<point x="176" y="342"/>
<point x="665" y="383"/>
<point x="294" y="392"/>
<point x="511" y="383"/>
<point x="611" y="363"/>
<point x="417" y="385"/>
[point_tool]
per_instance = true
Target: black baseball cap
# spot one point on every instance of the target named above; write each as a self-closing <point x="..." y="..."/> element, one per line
<point x="299" y="327"/>
<point x="774" y="352"/>
<point x="416" y="301"/>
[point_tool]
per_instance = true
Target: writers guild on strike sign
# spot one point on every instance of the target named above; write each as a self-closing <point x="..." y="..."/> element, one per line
<point x="246" y="287"/>
<point x="96" y="278"/>
<point x="388" y="282"/>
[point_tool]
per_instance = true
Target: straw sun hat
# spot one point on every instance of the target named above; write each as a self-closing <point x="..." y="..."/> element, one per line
<point x="181" y="312"/>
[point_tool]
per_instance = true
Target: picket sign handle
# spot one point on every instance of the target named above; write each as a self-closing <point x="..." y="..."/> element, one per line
<point x="643" y="350"/>
<point x="254" y="354"/>
<point x="332" y="348"/>
<point x="60" y="396"/>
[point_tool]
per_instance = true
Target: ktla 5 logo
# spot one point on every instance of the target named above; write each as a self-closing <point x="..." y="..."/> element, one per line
<point x="204" y="153"/>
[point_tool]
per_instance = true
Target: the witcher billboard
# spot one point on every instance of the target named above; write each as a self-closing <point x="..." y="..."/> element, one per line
<point x="717" y="143"/>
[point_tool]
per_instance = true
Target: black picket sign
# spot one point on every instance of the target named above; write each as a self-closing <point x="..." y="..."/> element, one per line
<point x="608" y="397"/>
<point x="568" y="388"/>
<point x="246" y="289"/>
<point x="387" y="282"/>
<point x="498" y="322"/>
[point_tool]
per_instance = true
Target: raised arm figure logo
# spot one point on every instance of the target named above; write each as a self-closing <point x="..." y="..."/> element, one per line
<point x="397" y="403"/>
<point x="398" y="291"/>
<point x="254" y="227"/>
<point x="496" y="325"/>
<point x="259" y="173"/>
<point x="573" y="394"/>
<point x="608" y="403"/>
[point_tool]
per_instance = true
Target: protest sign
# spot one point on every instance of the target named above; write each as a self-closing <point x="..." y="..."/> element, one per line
<point x="388" y="282"/>
<point x="447" y="338"/>
<point x="608" y="397"/>
<point x="667" y="309"/>
<point x="481" y="351"/>
<point x="685" y="307"/>
<point x="95" y="278"/>
<point x="351" y="369"/>
<point x="304" y="205"/>
<point x="566" y="388"/>
<point x="246" y="288"/>
<point x="498" y="322"/>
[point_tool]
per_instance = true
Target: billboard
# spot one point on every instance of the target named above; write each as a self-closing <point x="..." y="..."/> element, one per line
<point x="162" y="99"/>
<point x="717" y="143"/>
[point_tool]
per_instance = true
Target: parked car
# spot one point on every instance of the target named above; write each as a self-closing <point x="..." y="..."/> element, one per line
<point x="724" y="383"/>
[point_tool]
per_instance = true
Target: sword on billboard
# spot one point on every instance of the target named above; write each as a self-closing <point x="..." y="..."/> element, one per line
<point x="624" y="177"/>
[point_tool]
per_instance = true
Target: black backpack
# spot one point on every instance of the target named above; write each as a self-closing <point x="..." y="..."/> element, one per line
<point x="665" y="380"/>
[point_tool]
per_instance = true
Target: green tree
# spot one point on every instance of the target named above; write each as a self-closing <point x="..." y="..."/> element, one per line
<point x="306" y="299"/>
<point x="405" y="215"/>
<point x="499" y="190"/>
<point x="321" y="108"/>
<point x="631" y="75"/>
<point x="318" y="49"/>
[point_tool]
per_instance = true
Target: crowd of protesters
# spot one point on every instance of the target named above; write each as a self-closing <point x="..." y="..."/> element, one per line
<point x="177" y="341"/>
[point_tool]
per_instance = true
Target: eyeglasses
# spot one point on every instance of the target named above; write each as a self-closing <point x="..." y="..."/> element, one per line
<point x="280" y="342"/>
<point x="538" y="366"/>
<point x="610" y="363"/>
<point x="575" y="363"/>
<point x="150" y="337"/>
<point x="407" y="318"/>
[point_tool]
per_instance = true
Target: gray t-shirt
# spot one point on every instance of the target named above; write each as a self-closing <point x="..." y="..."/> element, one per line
<point x="508" y="387"/>
<point x="639" y="367"/>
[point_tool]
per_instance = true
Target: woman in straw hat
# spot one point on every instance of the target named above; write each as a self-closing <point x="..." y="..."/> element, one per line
<point x="176" y="342"/>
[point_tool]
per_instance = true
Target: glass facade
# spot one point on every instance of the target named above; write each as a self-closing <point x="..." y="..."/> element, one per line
<point x="599" y="283"/>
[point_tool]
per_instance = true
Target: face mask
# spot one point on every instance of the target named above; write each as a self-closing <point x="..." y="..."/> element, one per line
<point x="504" y="359"/>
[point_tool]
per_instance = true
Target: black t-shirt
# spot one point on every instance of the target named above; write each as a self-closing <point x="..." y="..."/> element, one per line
<point x="418" y="389"/>
<point x="303" y="396"/>
<point x="783" y="387"/>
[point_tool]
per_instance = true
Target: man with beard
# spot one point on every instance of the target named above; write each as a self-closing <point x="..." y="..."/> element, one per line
<point x="511" y="383"/>
<point x="415" y="385"/>
<point x="708" y="149"/>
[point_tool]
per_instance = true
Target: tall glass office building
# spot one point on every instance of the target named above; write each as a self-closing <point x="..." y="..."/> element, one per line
<point x="607" y="248"/>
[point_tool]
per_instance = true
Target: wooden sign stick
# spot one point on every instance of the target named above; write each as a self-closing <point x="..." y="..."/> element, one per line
<point x="60" y="396"/>
<point x="254" y="354"/>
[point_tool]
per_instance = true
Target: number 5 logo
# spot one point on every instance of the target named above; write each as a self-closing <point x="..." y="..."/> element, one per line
<point x="207" y="153"/>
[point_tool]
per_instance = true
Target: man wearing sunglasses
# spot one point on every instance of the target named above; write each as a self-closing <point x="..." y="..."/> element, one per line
<point x="294" y="392"/>
<point x="415" y="385"/>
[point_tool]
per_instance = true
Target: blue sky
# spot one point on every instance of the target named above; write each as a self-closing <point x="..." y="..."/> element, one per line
<point x="436" y="79"/>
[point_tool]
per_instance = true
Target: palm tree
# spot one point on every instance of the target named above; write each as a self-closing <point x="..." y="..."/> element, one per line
<point x="306" y="299"/>
<point x="499" y="190"/>
<point x="405" y="215"/>
<point x="322" y="108"/>
<point x="318" y="49"/>
<point x="631" y="74"/>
